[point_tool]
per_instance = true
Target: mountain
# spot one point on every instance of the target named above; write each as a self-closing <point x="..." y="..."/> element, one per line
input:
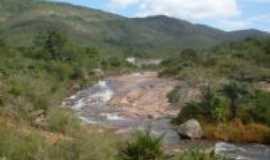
<point x="21" y="20"/>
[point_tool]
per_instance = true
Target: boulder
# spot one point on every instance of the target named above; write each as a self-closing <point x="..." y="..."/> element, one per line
<point x="190" y="130"/>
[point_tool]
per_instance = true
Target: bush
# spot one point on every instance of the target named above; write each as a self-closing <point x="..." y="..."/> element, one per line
<point x="143" y="147"/>
<point x="85" y="146"/>
<point x="260" y="110"/>
<point x="236" y="92"/>
<point x="60" y="120"/>
<point x="174" y="95"/>
<point x="16" y="146"/>
<point x="211" y="108"/>
<point x="26" y="143"/>
<point x="238" y="132"/>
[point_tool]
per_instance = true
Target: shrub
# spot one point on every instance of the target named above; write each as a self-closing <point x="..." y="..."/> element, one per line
<point x="211" y="107"/>
<point x="174" y="95"/>
<point x="143" y="147"/>
<point x="17" y="146"/>
<point x="26" y="143"/>
<point x="60" y="120"/>
<point x="235" y="92"/>
<point x="238" y="132"/>
<point x="260" y="110"/>
<point x="85" y="146"/>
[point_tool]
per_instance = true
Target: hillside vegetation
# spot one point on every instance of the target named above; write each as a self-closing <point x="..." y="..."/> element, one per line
<point x="156" y="36"/>
<point x="234" y="83"/>
<point x="33" y="83"/>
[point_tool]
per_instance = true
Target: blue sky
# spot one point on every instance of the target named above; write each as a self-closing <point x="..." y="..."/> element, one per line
<point x="223" y="14"/>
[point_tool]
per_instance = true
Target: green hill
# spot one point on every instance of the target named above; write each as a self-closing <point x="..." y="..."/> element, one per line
<point x="21" y="20"/>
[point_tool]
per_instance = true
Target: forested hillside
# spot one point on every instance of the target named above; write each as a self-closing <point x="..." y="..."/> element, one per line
<point x="157" y="35"/>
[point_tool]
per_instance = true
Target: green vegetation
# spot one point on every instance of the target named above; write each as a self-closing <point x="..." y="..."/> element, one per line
<point x="39" y="77"/>
<point x="62" y="121"/>
<point x="260" y="109"/>
<point x="155" y="36"/>
<point x="21" y="142"/>
<point x="211" y="108"/>
<point x="34" y="81"/>
<point x="227" y="76"/>
<point x="50" y="50"/>
<point x="143" y="147"/>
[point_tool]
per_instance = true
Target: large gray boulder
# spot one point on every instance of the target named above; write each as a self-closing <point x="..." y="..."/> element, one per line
<point x="190" y="130"/>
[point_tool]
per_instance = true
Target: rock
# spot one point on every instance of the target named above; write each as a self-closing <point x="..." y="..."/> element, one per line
<point x="37" y="113"/>
<point x="190" y="130"/>
<point x="40" y="122"/>
<point x="98" y="72"/>
<point x="38" y="119"/>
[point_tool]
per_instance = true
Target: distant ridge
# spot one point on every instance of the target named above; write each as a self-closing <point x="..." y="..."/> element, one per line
<point x="21" y="20"/>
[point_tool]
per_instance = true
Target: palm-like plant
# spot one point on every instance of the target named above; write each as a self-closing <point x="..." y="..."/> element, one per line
<point x="235" y="91"/>
<point x="144" y="147"/>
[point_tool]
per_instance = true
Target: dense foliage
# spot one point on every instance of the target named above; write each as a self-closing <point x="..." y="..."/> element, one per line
<point x="228" y="77"/>
<point x="33" y="83"/>
<point x="155" y="36"/>
<point x="243" y="61"/>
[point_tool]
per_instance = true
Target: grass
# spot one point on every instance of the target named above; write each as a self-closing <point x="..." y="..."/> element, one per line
<point x="22" y="142"/>
<point x="62" y="120"/>
<point x="143" y="147"/>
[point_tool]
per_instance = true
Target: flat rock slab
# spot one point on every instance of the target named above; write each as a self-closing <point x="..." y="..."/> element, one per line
<point x="143" y="94"/>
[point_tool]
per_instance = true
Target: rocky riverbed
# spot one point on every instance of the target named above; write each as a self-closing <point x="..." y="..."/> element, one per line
<point x="139" y="101"/>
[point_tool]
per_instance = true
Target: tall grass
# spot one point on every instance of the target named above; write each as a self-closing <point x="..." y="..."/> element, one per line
<point x="143" y="147"/>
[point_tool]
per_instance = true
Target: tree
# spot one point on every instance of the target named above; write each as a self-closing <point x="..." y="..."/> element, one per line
<point x="189" y="54"/>
<point x="234" y="91"/>
<point x="2" y="43"/>
<point x="51" y="45"/>
<point x="267" y="46"/>
<point x="54" y="44"/>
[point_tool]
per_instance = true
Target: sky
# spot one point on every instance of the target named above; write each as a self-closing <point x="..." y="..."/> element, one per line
<point x="224" y="14"/>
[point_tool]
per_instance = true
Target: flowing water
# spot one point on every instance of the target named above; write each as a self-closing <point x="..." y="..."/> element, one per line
<point x="243" y="152"/>
<point x="93" y="105"/>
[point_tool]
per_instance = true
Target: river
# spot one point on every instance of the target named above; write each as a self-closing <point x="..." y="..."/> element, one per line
<point x="139" y="101"/>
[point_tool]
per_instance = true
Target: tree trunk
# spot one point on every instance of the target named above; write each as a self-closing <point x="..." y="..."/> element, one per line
<point x="233" y="109"/>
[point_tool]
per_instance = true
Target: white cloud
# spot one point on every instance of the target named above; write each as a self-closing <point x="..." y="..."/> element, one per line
<point x="186" y="9"/>
<point x="225" y="14"/>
